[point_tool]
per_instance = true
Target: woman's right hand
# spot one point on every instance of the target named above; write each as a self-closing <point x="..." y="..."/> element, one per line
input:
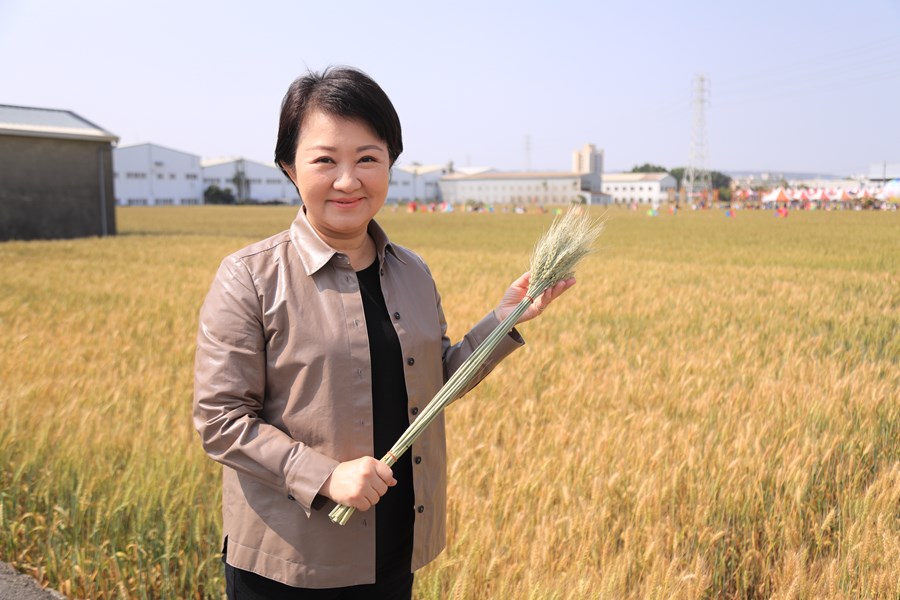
<point x="359" y="483"/>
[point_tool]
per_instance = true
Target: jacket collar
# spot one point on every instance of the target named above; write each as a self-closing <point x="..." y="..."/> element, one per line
<point x="315" y="253"/>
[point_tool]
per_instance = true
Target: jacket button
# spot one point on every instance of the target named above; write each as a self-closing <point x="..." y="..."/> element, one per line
<point x="418" y="460"/>
<point x="410" y="361"/>
<point x="414" y="410"/>
<point x="420" y="509"/>
<point x="291" y="497"/>
<point x="396" y="315"/>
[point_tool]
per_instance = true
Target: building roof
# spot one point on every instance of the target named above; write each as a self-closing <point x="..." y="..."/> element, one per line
<point x="214" y="162"/>
<point x="884" y="171"/>
<point x="152" y="145"/>
<point x="474" y="170"/>
<point x="633" y="177"/>
<point x="50" y="123"/>
<point x="513" y="175"/>
<point x="220" y="160"/>
<point x="420" y="169"/>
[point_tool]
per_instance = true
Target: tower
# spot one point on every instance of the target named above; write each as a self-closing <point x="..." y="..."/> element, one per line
<point x="697" y="181"/>
<point x="587" y="160"/>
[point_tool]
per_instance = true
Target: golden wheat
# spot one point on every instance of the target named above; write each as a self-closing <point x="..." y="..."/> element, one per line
<point x="712" y="411"/>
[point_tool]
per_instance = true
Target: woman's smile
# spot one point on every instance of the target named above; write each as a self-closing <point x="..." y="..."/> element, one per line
<point x="347" y="202"/>
<point x="342" y="170"/>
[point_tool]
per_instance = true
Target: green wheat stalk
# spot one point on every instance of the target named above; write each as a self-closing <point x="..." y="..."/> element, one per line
<point x="553" y="259"/>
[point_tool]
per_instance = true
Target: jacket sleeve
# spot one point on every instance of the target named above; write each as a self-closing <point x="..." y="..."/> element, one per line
<point x="455" y="354"/>
<point x="230" y="389"/>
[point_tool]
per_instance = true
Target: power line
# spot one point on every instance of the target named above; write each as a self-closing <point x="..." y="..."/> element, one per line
<point x="871" y="62"/>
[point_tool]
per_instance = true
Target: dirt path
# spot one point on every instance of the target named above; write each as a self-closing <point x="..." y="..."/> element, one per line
<point x="15" y="586"/>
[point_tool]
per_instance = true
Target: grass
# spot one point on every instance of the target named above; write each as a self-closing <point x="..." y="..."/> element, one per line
<point x="713" y="411"/>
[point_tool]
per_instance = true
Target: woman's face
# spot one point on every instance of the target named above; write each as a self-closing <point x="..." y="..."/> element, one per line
<point x="342" y="170"/>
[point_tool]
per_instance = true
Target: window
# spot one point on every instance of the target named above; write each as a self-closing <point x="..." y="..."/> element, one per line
<point x="171" y="175"/>
<point x="159" y="175"/>
<point x="190" y="176"/>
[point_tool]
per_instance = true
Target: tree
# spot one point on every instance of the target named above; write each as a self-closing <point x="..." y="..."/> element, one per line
<point x="678" y="174"/>
<point x="648" y="168"/>
<point x="242" y="185"/>
<point x="216" y="195"/>
<point x="719" y="180"/>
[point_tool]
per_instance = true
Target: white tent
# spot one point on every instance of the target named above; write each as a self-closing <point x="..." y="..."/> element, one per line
<point x="891" y="191"/>
<point x="820" y="196"/>
<point x="778" y="195"/>
<point x="841" y="195"/>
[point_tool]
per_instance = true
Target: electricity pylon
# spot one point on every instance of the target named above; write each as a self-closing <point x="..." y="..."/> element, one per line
<point x="697" y="181"/>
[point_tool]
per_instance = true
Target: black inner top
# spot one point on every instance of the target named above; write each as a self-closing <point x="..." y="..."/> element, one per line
<point x="394" y="514"/>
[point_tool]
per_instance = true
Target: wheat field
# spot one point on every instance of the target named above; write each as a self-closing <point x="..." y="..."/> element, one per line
<point x="713" y="411"/>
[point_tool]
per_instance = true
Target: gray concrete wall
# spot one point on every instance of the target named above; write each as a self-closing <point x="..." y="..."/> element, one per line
<point x="51" y="188"/>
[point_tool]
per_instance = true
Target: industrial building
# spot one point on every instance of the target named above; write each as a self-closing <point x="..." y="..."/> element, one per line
<point x="153" y="175"/>
<point x="416" y="183"/>
<point x="57" y="175"/>
<point x="249" y="181"/>
<point x="582" y="184"/>
<point x="881" y="173"/>
<point x="642" y="188"/>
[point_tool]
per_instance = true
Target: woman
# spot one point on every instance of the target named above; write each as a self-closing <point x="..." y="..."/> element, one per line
<point x="316" y="349"/>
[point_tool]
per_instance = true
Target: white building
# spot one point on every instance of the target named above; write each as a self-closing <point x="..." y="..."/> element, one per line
<point x="583" y="183"/>
<point x="643" y="188"/>
<point x="153" y="175"/>
<point x="249" y="181"/>
<point x="826" y="184"/>
<point x="415" y="182"/>
<point x="884" y="172"/>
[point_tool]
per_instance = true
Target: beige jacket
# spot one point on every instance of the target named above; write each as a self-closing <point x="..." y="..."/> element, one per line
<point x="283" y="393"/>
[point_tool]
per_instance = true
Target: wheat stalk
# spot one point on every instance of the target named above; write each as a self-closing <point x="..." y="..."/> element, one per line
<point x="553" y="259"/>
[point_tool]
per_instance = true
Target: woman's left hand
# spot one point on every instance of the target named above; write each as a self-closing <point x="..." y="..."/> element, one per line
<point x="517" y="291"/>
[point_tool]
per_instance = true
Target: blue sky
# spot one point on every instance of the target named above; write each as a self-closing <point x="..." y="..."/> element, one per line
<point x="794" y="85"/>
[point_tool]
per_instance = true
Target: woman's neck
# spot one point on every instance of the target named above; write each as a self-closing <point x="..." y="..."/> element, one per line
<point x="358" y="247"/>
<point x="360" y="251"/>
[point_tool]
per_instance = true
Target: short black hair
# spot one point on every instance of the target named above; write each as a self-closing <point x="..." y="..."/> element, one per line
<point x="342" y="92"/>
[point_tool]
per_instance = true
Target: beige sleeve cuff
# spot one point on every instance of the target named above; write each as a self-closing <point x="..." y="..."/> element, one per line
<point x="305" y="475"/>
